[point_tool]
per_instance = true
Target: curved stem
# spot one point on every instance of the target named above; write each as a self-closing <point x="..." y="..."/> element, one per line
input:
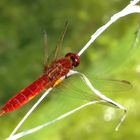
<point x="129" y="9"/>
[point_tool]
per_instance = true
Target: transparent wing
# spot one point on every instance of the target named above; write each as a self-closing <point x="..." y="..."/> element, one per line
<point x="111" y="85"/>
<point x="45" y="49"/>
<point x="55" y="54"/>
<point x="103" y="85"/>
<point x="59" y="43"/>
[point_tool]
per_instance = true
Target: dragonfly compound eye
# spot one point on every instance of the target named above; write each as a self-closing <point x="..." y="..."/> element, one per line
<point x="74" y="58"/>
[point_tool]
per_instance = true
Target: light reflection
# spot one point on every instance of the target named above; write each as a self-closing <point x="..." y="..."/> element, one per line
<point x="109" y="114"/>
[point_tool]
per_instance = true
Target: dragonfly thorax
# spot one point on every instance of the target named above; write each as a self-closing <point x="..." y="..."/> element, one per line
<point x="74" y="58"/>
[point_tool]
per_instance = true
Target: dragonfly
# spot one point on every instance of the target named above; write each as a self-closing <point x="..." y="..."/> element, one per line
<point x="50" y="78"/>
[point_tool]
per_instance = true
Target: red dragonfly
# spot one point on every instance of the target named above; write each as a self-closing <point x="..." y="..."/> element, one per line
<point x="50" y="78"/>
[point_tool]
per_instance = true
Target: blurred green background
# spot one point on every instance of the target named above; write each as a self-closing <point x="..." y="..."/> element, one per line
<point x="115" y="55"/>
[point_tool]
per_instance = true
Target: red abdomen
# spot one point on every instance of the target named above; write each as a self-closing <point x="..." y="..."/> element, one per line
<point x="25" y="95"/>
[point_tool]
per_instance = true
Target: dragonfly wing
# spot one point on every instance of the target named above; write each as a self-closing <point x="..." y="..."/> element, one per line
<point x="59" y="44"/>
<point x="76" y="88"/>
<point x="111" y="85"/>
<point x="54" y="55"/>
<point x="45" y="49"/>
<point x="71" y="87"/>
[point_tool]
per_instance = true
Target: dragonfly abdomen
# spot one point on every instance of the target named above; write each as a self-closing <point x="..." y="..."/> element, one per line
<point x="25" y="95"/>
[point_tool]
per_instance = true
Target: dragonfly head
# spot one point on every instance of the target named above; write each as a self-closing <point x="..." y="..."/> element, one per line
<point x="74" y="58"/>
